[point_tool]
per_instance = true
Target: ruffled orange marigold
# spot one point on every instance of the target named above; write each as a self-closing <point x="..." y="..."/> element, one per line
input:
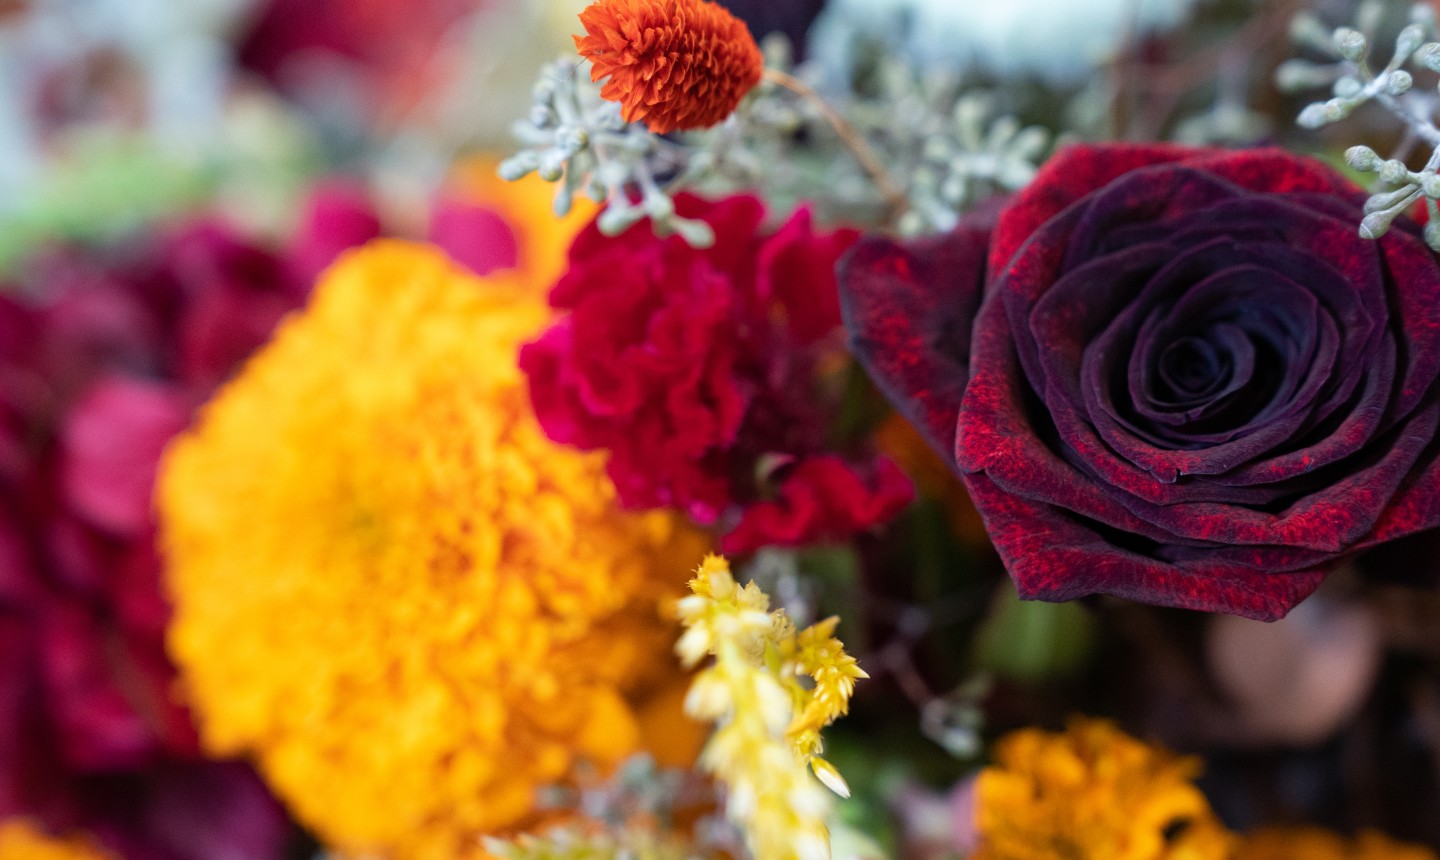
<point x="20" y="840"/>
<point x="1093" y="793"/>
<point x="391" y="589"/>
<point x="1314" y="843"/>
<point x="672" y="64"/>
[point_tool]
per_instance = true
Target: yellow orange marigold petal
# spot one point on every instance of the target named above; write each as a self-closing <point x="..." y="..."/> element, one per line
<point x="390" y="588"/>
<point x="1315" y="843"/>
<point x="21" y="840"/>
<point x="1093" y="793"/>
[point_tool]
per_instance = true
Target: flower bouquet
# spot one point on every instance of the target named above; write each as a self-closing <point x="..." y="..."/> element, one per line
<point x="841" y="429"/>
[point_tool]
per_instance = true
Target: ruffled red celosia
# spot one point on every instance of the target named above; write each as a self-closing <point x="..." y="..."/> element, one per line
<point x="700" y="371"/>
<point x="673" y="64"/>
<point x="823" y="497"/>
<point x="103" y="357"/>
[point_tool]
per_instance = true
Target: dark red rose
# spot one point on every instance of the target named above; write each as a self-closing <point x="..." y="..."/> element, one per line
<point x="1190" y="382"/>
<point x="700" y="370"/>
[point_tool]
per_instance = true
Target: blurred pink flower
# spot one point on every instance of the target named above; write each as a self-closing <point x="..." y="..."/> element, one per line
<point x="103" y="357"/>
<point x="474" y="236"/>
<point x="383" y="50"/>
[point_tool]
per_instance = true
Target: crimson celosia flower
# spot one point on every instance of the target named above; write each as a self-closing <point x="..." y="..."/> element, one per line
<point x="103" y="356"/>
<point x="700" y="372"/>
<point x="823" y="497"/>
<point x="673" y="64"/>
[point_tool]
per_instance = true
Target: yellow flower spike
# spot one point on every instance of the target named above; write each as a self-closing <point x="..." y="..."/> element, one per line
<point x="768" y="723"/>
<point x="821" y="656"/>
<point x="390" y="588"/>
<point x="826" y="773"/>
<point x="576" y="843"/>
<point x="20" y="840"/>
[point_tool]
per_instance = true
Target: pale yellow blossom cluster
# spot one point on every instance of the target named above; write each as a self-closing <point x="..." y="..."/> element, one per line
<point x="577" y="842"/>
<point x="768" y="722"/>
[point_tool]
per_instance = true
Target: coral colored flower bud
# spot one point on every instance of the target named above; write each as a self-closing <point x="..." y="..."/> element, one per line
<point x="674" y="65"/>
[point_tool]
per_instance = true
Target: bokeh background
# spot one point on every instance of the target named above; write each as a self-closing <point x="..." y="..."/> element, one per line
<point x="173" y="175"/>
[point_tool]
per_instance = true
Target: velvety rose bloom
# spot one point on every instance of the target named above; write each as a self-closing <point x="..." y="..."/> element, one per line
<point x="699" y="371"/>
<point x="104" y="355"/>
<point x="1189" y="381"/>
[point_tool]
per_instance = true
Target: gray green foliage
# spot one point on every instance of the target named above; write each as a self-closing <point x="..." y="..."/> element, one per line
<point x="944" y="147"/>
<point x="1354" y="81"/>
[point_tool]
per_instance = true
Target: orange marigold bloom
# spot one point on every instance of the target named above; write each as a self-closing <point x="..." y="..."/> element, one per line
<point x="1093" y="793"/>
<point x="20" y="840"/>
<point x="673" y="64"/>
<point x="1314" y="843"/>
<point x="410" y="606"/>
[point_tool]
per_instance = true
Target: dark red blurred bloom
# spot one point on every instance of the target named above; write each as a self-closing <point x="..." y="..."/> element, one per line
<point x="103" y="357"/>
<point x="696" y="368"/>
<point x="1190" y="382"/>
<point x="384" y="50"/>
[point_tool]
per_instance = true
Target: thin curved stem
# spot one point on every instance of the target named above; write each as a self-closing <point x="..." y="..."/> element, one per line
<point x="895" y="200"/>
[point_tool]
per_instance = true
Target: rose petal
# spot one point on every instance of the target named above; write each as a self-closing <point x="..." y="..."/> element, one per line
<point x="1072" y="173"/>
<point x="1053" y="556"/>
<point x="909" y="309"/>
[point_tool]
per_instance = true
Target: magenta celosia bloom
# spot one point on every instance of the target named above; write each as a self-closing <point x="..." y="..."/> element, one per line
<point x="698" y="371"/>
<point x="103" y="358"/>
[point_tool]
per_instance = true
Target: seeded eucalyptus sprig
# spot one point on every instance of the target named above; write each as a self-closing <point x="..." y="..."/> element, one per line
<point x="1354" y="82"/>
<point x="577" y="140"/>
<point x="912" y="152"/>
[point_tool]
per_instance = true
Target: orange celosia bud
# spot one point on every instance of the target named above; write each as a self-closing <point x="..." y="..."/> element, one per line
<point x="673" y="64"/>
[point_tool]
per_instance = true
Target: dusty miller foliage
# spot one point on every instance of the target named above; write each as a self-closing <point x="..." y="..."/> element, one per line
<point x="943" y="146"/>
<point x="1354" y="81"/>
